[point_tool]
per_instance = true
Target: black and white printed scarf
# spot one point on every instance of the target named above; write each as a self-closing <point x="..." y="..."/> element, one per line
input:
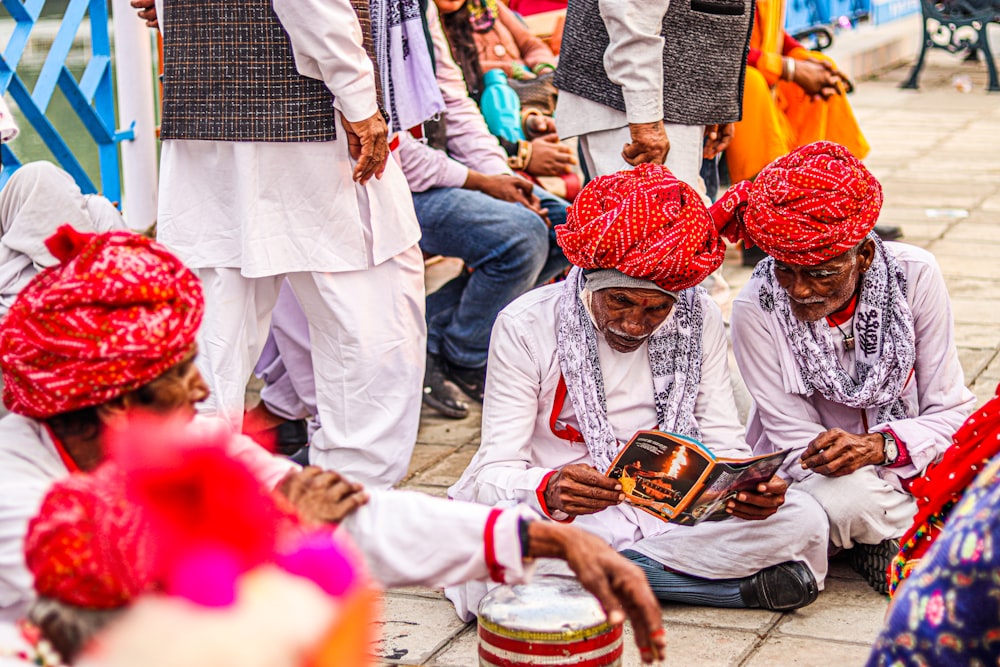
<point x="404" y="63"/>
<point x="675" y="354"/>
<point x="883" y="330"/>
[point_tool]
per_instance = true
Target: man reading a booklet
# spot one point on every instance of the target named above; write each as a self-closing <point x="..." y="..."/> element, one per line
<point x="627" y="343"/>
<point x="846" y="344"/>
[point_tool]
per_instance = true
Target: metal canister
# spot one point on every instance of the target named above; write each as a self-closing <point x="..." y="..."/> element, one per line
<point x="552" y="621"/>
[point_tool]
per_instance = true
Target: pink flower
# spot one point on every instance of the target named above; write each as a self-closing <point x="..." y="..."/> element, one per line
<point x="935" y="609"/>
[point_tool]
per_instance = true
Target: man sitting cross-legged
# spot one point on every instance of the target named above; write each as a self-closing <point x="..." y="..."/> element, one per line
<point x="109" y="331"/>
<point x="628" y="342"/>
<point x="846" y="344"/>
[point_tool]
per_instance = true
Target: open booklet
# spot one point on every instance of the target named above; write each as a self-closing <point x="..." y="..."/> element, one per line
<point x="679" y="480"/>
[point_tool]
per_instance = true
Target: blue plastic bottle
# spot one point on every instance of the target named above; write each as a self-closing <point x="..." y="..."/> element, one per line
<point x="501" y="107"/>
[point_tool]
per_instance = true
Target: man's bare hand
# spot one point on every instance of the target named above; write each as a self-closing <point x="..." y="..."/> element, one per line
<point x="367" y="143"/>
<point x="649" y="144"/>
<point x="718" y="138"/>
<point x="507" y="188"/>
<point x="549" y="157"/>
<point x="147" y="11"/>
<point x="836" y="452"/>
<point x="537" y="125"/>
<point x="760" y="503"/>
<point x="581" y="489"/>
<point x="619" y="585"/>
<point x="818" y="78"/>
<point x="321" y="496"/>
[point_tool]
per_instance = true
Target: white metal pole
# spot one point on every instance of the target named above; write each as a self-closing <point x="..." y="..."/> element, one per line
<point x="134" y="79"/>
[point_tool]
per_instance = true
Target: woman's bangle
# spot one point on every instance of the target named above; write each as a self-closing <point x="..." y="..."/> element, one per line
<point x="520" y="161"/>
<point x="541" y="67"/>
<point x="789" y="73"/>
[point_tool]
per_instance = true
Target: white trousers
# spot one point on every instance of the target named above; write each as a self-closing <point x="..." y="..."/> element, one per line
<point x="861" y="507"/>
<point x="602" y="152"/>
<point x="736" y="548"/>
<point x="368" y="337"/>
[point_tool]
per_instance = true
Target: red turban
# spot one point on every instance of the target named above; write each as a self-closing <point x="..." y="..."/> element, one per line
<point x="117" y="312"/>
<point x="89" y="546"/>
<point x="646" y="224"/>
<point x="805" y="208"/>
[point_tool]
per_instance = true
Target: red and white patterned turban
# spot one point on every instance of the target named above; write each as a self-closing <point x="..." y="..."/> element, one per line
<point x="646" y="224"/>
<point x="89" y="546"/>
<point x="117" y="312"/>
<point x="805" y="208"/>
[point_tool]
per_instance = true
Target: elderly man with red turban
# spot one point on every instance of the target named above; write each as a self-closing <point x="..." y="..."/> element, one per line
<point x="108" y="334"/>
<point x="629" y="342"/>
<point x="846" y="345"/>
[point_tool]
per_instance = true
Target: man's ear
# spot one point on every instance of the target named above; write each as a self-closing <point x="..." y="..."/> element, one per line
<point x="866" y="253"/>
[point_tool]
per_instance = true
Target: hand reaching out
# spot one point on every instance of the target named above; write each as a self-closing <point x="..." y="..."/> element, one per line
<point x="321" y="496"/>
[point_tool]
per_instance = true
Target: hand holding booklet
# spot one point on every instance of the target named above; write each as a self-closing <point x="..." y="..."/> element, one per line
<point x="679" y="480"/>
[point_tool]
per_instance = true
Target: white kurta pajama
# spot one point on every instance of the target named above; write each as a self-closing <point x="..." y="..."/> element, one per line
<point x="398" y="532"/>
<point x="869" y="505"/>
<point x="245" y="215"/>
<point x="519" y="449"/>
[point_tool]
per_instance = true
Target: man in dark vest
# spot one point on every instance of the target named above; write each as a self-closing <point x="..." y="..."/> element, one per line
<point x="655" y="77"/>
<point x="272" y="134"/>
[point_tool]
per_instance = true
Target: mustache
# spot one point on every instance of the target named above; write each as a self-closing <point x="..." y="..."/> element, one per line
<point x="625" y="336"/>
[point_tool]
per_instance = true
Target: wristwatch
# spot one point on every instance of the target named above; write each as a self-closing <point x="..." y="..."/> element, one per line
<point x="891" y="449"/>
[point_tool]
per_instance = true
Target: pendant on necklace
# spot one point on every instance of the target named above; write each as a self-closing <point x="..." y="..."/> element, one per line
<point x="849" y="342"/>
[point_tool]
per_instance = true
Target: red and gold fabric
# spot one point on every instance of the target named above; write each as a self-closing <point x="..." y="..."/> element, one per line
<point x="645" y="223"/>
<point x="115" y="313"/>
<point x="805" y="208"/>
<point x="89" y="546"/>
<point x="944" y="483"/>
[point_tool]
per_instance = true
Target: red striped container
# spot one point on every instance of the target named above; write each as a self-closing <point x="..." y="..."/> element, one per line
<point x="553" y="622"/>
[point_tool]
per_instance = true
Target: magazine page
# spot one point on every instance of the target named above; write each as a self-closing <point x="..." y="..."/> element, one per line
<point x="725" y="481"/>
<point x="661" y="473"/>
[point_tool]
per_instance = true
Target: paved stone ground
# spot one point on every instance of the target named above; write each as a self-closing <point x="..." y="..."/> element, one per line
<point x="937" y="152"/>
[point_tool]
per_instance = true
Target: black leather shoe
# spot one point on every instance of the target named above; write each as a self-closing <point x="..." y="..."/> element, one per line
<point x="872" y="562"/>
<point x="440" y="393"/>
<point x="888" y="232"/>
<point x="781" y="587"/>
<point x="470" y="380"/>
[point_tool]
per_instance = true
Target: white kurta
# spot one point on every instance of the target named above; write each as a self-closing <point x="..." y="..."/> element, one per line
<point x="519" y="448"/>
<point x="272" y="208"/>
<point x="399" y="533"/>
<point x="936" y="398"/>
<point x="244" y="215"/>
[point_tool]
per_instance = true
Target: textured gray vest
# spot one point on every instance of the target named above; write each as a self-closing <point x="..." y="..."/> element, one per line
<point x="229" y="75"/>
<point x="704" y="58"/>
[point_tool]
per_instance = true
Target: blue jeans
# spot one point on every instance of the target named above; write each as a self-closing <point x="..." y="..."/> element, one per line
<point x="509" y="249"/>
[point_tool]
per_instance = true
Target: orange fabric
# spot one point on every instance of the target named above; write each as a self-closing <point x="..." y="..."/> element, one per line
<point x="777" y="115"/>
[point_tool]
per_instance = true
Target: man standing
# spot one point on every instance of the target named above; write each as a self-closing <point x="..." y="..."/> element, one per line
<point x="846" y="345"/>
<point x="272" y="135"/>
<point x="470" y="205"/>
<point x="629" y="343"/>
<point x="654" y="77"/>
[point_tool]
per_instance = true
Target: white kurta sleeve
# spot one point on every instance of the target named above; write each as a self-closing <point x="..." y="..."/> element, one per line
<point x="412" y="539"/>
<point x="715" y="408"/>
<point x="789" y="420"/>
<point x="326" y="40"/>
<point x="503" y="470"/>
<point x="266" y="467"/>
<point x="634" y="58"/>
<point x="944" y="401"/>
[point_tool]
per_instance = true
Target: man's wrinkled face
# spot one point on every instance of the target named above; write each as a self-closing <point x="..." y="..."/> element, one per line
<point x="627" y="316"/>
<point x="817" y="291"/>
<point x="176" y="391"/>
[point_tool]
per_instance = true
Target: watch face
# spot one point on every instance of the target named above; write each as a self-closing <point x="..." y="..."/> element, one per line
<point x="891" y="451"/>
